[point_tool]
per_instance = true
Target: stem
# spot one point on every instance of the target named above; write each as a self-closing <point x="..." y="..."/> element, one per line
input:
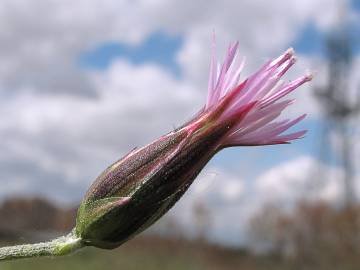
<point x="57" y="247"/>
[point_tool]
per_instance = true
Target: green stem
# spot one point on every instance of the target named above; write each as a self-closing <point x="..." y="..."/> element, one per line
<point x="57" y="247"/>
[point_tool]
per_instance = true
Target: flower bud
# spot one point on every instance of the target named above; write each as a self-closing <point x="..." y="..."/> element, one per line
<point x="137" y="190"/>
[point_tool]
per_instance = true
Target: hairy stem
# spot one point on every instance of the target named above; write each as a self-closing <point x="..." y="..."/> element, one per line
<point x="57" y="247"/>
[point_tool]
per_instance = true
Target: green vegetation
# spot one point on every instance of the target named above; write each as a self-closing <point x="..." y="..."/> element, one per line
<point x="147" y="253"/>
<point x="143" y="253"/>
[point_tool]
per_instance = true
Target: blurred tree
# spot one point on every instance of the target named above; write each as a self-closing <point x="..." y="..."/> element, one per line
<point x="33" y="216"/>
<point x="267" y="232"/>
<point x="339" y="103"/>
<point x="202" y="220"/>
<point x="312" y="234"/>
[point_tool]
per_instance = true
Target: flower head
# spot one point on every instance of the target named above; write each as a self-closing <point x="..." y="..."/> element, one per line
<point x="263" y="91"/>
<point x="138" y="189"/>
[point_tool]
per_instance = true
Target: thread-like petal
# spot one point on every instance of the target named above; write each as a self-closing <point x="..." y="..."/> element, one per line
<point x="264" y="88"/>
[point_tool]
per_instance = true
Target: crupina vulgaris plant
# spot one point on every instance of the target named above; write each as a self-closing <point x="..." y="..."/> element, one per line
<point x="134" y="192"/>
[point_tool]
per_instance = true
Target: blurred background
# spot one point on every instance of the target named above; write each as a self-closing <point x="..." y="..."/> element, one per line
<point x="83" y="82"/>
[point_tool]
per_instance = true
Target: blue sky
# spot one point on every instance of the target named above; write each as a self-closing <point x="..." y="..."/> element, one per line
<point x="158" y="48"/>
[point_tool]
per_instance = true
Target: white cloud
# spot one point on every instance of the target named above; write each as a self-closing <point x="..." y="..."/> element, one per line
<point x="41" y="40"/>
<point x="263" y="28"/>
<point x="302" y="178"/>
<point x="77" y="138"/>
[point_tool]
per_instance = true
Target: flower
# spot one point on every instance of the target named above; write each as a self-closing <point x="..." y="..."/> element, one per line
<point x="138" y="189"/>
<point x="261" y="92"/>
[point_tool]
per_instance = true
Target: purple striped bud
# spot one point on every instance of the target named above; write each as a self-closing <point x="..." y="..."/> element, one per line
<point x="138" y="189"/>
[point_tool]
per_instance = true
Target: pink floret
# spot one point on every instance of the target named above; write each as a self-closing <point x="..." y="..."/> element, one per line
<point x="264" y="89"/>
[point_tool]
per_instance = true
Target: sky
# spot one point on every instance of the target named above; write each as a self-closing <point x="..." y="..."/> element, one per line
<point x="83" y="82"/>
